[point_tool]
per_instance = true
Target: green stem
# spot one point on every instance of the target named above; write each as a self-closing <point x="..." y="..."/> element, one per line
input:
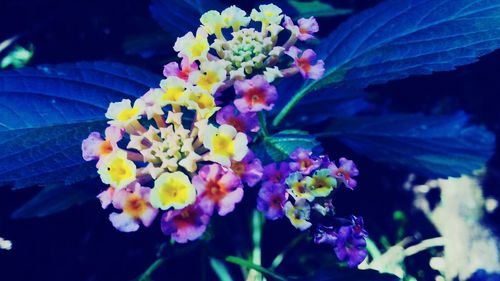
<point x="245" y="263"/>
<point x="291" y="104"/>
<point x="257" y="223"/>
<point x="151" y="269"/>
<point x="263" y="123"/>
<point x="279" y="258"/>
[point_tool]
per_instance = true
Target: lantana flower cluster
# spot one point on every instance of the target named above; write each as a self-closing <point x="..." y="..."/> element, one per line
<point x="302" y="190"/>
<point x="182" y="149"/>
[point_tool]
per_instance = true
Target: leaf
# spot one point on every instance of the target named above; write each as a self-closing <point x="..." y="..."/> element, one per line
<point x="434" y="146"/>
<point x="250" y="265"/>
<point x="280" y="145"/>
<point x="53" y="199"/>
<point x="316" y="8"/>
<point x="220" y="270"/>
<point x="327" y="104"/>
<point x="400" y="38"/>
<point x="45" y="112"/>
<point x="181" y="16"/>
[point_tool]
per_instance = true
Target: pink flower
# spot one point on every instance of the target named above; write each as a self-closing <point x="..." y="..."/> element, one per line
<point x="242" y="122"/>
<point x="305" y="29"/>
<point x="271" y="200"/>
<point x="303" y="162"/>
<point x="249" y="169"/>
<point x="94" y="146"/>
<point x="187" y="224"/>
<point x="256" y="94"/>
<point x="304" y="63"/>
<point x="218" y="188"/>
<point x="276" y="172"/>
<point x="345" y="171"/>
<point x="135" y="207"/>
<point x="172" y="69"/>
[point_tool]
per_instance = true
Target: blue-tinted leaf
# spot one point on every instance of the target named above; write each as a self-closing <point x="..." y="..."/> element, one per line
<point x="326" y="104"/>
<point x="434" y="146"/>
<point x="53" y="199"/>
<point x="46" y="111"/>
<point x="280" y="145"/>
<point x="181" y="16"/>
<point x="400" y="38"/>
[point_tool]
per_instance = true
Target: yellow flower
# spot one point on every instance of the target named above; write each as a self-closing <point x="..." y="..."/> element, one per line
<point x="225" y="144"/>
<point x="298" y="214"/>
<point x="202" y="102"/>
<point x="116" y="170"/>
<point x="235" y="17"/>
<point x="268" y="14"/>
<point x="211" y="75"/>
<point x="194" y="48"/>
<point x="122" y="113"/>
<point x="174" y="88"/>
<point x="213" y="23"/>
<point x="172" y="190"/>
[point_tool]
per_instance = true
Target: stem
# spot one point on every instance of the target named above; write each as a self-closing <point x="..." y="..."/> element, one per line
<point x="263" y="124"/>
<point x="151" y="269"/>
<point x="291" y="104"/>
<point x="257" y="223"/>
<point x="245" y="263"/>
<point x="424" y="245"/>
<point x="279" y="258"/>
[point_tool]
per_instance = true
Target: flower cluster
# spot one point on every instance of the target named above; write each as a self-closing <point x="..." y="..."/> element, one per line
<point x="303" y="188"/>
<point x="182" y="149"/>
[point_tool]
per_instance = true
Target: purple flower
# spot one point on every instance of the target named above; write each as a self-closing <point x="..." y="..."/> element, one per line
<point x="276" y="172"/>
<point x="305" y="63"/>
<point x="249" y="169"/>
<point x="187" y="224"/>
<point x="242" y="122"/>
<point x="135" y="205"/>
<point x="94" y="146"/>
<point x="350" y="247"/>
<point x="303" y="161"/>
<point x="255" y="94"/>
<point x="172" y="69"/>
<point x="349" y="242"/>
<point x="346" y="170"/>
<point x="271" y="200"/>
<point x="305" y="29"/>
<point x="218" y="188"/>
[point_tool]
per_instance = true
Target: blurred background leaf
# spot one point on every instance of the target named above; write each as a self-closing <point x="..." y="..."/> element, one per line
<point x="432" y="146"/>
<point x="48" y="110"/>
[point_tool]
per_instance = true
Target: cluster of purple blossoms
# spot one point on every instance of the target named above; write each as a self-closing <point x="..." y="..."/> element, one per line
<point x="303" y="188"/>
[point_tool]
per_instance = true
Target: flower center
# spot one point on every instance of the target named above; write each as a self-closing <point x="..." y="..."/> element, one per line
<point x="237" y="123"/>
<point x="207" y="80"/>
<point x="216" y="191"/>
<point x="119" y="171"/>
<point x="238" y="168"/>
<point x="135" y="206"/>
<point x="127" y="114"/>
<point x="105" y="148"/>
<point x="223" y="145"/>
<point x="255" y="96"/>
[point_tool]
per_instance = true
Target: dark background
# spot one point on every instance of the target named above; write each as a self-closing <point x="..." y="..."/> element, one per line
<point x="81" y="244"/>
